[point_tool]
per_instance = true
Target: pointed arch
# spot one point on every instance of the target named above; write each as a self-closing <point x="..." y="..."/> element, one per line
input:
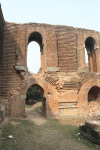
<point x="37" y="37"/>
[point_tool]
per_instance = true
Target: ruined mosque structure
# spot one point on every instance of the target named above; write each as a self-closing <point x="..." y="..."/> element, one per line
<point x="68" y="89"/>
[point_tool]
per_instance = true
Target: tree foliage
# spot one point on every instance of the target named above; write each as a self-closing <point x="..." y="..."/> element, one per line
<point x="33" y="93"/>
<point x="39" y="72"/>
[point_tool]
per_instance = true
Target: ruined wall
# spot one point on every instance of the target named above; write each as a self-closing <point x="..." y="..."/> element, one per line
<point x="10" y="79"/>
<point x="1" y="43"/>
<point x="63" y="50"/>
<point x="2" y="107"/>
<point x="66" y="48"/>
<point x="63" y="77"/>
<point x="82" y="35"/>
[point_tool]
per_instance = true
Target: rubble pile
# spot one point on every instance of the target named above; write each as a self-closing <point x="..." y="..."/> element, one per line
<point x="94" y="108"/>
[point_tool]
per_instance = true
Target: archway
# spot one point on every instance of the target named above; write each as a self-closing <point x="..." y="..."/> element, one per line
<point x="94" y="100"/>
<point x="90" y="47"/>
<point x="83" y="108"/>
<point x="35" y="99"/>
<point x="36" y="38"/>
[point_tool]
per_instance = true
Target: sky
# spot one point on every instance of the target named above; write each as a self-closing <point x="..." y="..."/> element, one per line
<point x="76" y="13"/>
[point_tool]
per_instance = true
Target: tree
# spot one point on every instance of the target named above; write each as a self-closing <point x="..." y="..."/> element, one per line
<point x="33" y="93"/>
<point x="39" y="72"/>
<point x="28" y="70"/>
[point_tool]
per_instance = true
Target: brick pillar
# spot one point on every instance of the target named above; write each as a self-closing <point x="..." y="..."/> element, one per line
<point x="42" y="68"/>
<point x="97" y="53"/>
<point x="94" y="61"/>
<point x="90" y="62"/>
<point x="94" y="64"/>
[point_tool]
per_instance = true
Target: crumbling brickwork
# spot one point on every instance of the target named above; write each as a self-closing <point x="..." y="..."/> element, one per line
<point x="64" y="81"/>
<point x="2" y="23"/>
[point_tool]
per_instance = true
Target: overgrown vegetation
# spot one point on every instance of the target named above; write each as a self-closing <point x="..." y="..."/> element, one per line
<point x="33" y="95"/>
<point x="50" y="136"/>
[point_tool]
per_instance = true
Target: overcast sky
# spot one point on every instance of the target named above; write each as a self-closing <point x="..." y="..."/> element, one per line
<point x="76" y="13"/>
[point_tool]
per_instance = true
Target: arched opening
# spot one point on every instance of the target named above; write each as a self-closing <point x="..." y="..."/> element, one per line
<point x="90" y="47"/>
<point x="35" y="53"/>
<point x="35" y="102"/>
<point x="94" y="100"/>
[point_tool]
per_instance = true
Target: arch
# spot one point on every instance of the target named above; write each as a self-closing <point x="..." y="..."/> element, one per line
<point x="37" y="81"/>
<point x="33" y="80"/>
<point x="36" y="86"/>
<point x="83" y="95"/>
<point x="93" y="93"/>
<point x="37" y="37"/>
<point x="90" y="45"/>
<point x="94" y="100"/>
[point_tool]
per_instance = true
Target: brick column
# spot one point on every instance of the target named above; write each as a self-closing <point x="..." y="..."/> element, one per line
<point x="97" y="53"/>
<point x="90" y="62"/>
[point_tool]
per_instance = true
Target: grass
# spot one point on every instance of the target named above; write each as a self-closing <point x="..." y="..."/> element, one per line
<point x="50" y="136"/>
<point x="28" y="106"/>
<point x="38" y="109"/>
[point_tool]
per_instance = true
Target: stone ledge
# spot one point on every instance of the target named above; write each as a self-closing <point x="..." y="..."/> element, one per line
<point x="68" y="107"/>
<point x="20" y="68"/>
<point x="52" y="68"/>
<point x="68" y="101"/>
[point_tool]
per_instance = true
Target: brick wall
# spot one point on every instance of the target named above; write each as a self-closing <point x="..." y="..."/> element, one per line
<point x="2" y="114"/>
<point x="10" y="79"/>
<point x="63" y="47"/>
<point x="62" y="50"/>
<point x="82" y="35"/>
<point x="66" y="48"/>
<point x="1" y="44"/>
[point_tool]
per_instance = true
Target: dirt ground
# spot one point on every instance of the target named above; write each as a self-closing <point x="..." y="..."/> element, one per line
<point x="35" y="116"/>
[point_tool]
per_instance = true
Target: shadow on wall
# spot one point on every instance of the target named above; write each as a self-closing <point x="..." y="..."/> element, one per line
<point x="14" y="62"/>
